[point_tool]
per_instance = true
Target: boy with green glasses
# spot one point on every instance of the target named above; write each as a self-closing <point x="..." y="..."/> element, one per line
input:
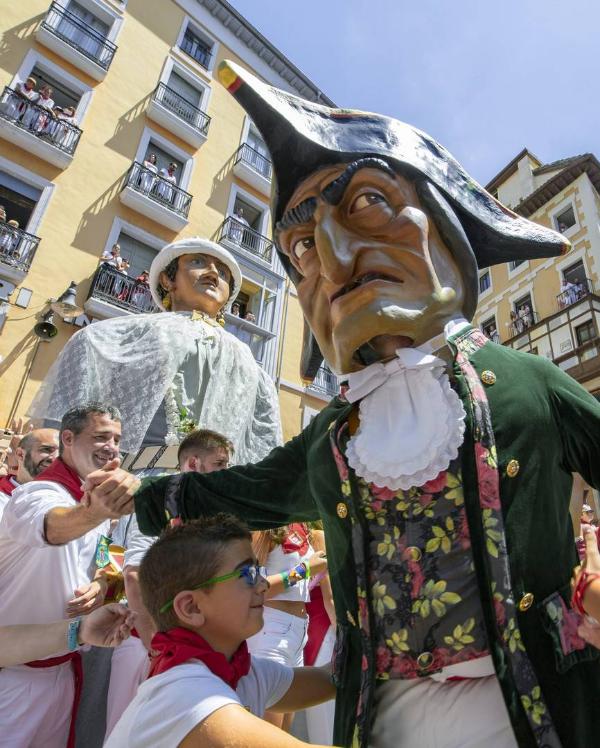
<point x="201" y="584"/>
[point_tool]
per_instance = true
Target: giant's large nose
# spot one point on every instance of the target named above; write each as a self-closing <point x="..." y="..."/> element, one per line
<point x="334" y="246"/>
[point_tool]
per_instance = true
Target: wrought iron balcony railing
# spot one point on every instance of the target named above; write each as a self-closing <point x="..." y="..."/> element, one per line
<point x="256" y="160"/>
<point x="196" y="49"/>
<point x="241" y="234"/>
<point x="77" y="34"/>
<point x="574" y="293"/>
<point x="158" y="189"/>
<point x="118" y="289"/>
<point x="181" y="107"/>
<point x="17" y="247"/>
<point x="325" y="381"/>
<point x="39" y="121"/>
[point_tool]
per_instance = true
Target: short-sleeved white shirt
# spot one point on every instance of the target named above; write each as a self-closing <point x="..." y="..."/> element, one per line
<point x="168" y="706"/>
<point x="136" y="543"/>
<point x="36" y="578"/>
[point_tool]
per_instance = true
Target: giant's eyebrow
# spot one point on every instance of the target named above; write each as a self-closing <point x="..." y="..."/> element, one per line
<point x="332" y="193"/>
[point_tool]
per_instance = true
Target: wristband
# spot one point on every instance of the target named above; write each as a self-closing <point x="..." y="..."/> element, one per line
<point x="584" y="582"/>
<point x="286" y="580"/>
<point x="73" y="634"/>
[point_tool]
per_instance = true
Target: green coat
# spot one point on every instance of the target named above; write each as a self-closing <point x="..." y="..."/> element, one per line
<point x="542" y="419"/>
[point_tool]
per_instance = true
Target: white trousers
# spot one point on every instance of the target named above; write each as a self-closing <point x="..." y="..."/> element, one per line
<point x="35" y="706"/>
<point x="319" y="719"/>
<point x="282" y="638"/>
<point x="129" y="668"/>
<point x="455" y="714"/>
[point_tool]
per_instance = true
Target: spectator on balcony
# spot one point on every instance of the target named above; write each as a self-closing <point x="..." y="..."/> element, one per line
<point x="43" y="123"/>
<point x="562" y="227"/>
<point x="235" y="309"/>
<point x="526" y="315"/>
<point x="141" y="297"/>
<point x="10" y="239"/>
<point x="568" y="293"/>
<point x="236" y="226"/>
<point x="167" y="178"/>
<point x="18" y="103"/>
<point x="148" y="174"/>
<point x="492" y="334"/>
<point x="112" y="257"/>
<point x="250" y="317"/>
<point x="64" y="119"/>
<point x="3" y="216"/>
<point x="516" y="323"/>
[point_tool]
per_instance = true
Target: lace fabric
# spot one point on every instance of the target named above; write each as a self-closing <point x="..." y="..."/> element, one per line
<point x="130" y="362"/>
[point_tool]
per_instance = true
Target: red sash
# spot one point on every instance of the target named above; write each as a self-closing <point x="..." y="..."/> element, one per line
<point x="60" y="472"/>
<point x="178" y="645"/>
<point x="318" y="625"/>
<point x="75" y="659"/>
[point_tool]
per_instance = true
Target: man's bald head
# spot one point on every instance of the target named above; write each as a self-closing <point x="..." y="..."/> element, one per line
<point x="36" y="451"/>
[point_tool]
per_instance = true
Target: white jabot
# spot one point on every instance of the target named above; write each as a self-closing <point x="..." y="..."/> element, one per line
<point x="412" y="422"/>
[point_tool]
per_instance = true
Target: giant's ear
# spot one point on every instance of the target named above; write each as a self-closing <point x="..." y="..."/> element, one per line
<point x="312" y="357"/>
<point x="165" y="281"/>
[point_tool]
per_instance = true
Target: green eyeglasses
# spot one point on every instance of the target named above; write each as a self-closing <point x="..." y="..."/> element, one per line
<point x="251" y="573"/>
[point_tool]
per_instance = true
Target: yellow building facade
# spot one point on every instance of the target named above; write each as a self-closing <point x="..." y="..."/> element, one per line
<point x="88" y="166"/>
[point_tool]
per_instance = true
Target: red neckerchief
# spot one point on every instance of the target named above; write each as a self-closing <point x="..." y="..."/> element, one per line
<point x="179" y="645"/>
<point x="296" y="540"/>
<point x="6" y="485"/>
<point x="60" y="472"/>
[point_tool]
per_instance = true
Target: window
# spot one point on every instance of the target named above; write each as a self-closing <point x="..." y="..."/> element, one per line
<point x="84" y="31"/>
<point x="522" y="317"/>
<point x="197" y="46"/>
<point x="490" y="329"/>
<point x="62" y="95"/>
<point x="586" y="332"/>
<point x="565" y="219"/>
<point x="140" y="255"/>
<point x="18" y="199"/>
<point x="485" y="281"/>
<point x="514" y="264"/>
<point x="163" y="159"/>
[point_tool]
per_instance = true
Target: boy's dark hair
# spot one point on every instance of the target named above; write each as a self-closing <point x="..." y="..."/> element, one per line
<point x="76" y="419"/>
<point x="184" y="557"/>
<point x="202" y="441"/>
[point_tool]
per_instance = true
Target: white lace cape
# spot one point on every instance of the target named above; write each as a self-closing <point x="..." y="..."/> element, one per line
<point x="131" y="361"/>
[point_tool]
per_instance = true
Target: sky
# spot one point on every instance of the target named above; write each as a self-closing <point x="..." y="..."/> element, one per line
<point x="485" y="78"/>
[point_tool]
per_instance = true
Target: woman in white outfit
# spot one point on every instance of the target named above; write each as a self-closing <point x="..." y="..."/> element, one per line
<point x="148" y="173"/>
<point x="290" y="561"/>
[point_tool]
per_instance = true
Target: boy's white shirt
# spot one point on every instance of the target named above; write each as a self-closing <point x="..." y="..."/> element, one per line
<point x="168" y="706"/>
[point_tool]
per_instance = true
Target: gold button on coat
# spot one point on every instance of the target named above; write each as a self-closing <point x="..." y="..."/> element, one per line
<point x="526" y="602"/>
<point x="512" y="468"/>
<point x="488" y="377"/>
<point x="425" y="660"/>
<point x="342" y="510"/>
<point x="413" y="553"/>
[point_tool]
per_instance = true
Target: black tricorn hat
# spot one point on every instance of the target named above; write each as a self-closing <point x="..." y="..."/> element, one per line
<point x="303" y="137"/>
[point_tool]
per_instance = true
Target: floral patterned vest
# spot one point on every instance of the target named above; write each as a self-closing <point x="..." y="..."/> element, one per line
<point x="426" y="603"/>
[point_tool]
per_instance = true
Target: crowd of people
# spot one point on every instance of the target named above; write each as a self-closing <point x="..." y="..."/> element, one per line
<point x="66" y="525"/>
<point x="37" y="111"/>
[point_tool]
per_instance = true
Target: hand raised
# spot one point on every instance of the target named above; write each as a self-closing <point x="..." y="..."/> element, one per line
<point x="107" y="627"/>
<point x="110" y="491"/>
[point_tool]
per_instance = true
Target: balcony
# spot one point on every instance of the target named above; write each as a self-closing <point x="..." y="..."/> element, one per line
<point x="36" y="130"/>
<point x="568" y="337"/>
<point x="235" y="234"/>
<point x="17" y="249"/>
<point x="575" y="293"/>
<point x="254" y="168"/>
<point x="178" y="115"/>
<point x="156" y="197"/>
<point x="253" y="335"/>
<point x="522" y="323"/>
<point x="113" y="294"/>
<point x="196" y="48"/>
<point x="75" y="41"/>
<point x="324" y="383"/>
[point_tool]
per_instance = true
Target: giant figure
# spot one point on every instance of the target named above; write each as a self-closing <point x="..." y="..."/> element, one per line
<point x="429" y="472"/>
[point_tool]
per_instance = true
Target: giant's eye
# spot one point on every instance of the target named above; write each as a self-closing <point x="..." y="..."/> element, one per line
<point x="366" y="200"/>
<point x="302" y="246"/>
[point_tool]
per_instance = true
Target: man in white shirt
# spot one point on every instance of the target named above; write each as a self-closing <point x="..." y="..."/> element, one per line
<point x="49" y="535"/>
<point x="35" y="453"/>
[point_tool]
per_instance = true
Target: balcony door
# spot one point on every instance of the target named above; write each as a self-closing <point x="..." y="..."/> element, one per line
<point x="61" y="94"/>
<point x="183" y="99"/>
<point x="258" y="154"/>
<point x="86" y="32"/>
<point x="19" y="199"/>
<point x="140" y="255"/>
